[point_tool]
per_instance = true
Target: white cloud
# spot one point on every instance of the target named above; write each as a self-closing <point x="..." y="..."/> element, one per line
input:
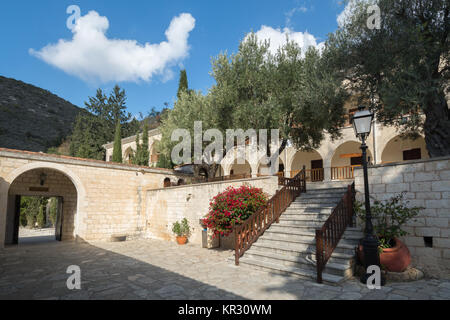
<point x="277" y="38"/>
<point x="92" y="56"/>
<point x="291" y="13"/>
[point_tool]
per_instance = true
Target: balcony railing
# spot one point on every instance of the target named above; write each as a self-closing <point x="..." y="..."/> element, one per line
<point x="343" y="173"/>
<point x="312" y="175"/>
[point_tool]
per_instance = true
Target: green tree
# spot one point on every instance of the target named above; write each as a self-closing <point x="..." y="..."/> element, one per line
<point x="183" y="83"/>
<point x="32" y="209"/>
<point x="117" y="148"/>
<point x="53" y="210"/>
<point x="141" y="155"/>
<point x="97" y="126"/>
<point x="145" y="154"/>
<point x="402" y="69"/>
<point x="164" y="162"/>
<point x="40" y="218"/>
<point x="295" y="93"/>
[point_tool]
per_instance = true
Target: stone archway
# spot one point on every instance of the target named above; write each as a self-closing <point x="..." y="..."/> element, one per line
<point x="313" y="162"/>
<point x="25" y="180"/>
<point x="399" y="149"/>
<point x="238" y="168"/>
<point x="345" y="158"/>
<point x="128" y="155"/>
<point x="44" y="182"/>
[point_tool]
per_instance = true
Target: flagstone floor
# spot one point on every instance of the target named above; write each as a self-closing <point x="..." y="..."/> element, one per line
<point x="153" y="269"/>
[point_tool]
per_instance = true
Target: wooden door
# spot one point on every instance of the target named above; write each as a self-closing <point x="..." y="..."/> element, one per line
<point x="317" y="164"/>
<point x="16" y="220"/>
<point x="59" y="219"/>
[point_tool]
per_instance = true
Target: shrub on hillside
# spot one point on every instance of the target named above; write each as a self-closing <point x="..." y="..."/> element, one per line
<point x="233" y="206"/>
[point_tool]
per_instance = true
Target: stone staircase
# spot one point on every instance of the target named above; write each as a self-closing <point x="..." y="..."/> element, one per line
<point x="288" y="247"/>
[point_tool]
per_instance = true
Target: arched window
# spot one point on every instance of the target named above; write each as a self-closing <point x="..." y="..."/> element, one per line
<point x="167" y="182"/>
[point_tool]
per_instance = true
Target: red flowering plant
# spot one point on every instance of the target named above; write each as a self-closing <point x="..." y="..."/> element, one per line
<point x="233" y="206"/>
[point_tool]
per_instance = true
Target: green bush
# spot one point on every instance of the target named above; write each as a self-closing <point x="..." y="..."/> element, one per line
<point x="388" y="218"/>
<point x="41" y="217"/>
<point x="181" y="229"/>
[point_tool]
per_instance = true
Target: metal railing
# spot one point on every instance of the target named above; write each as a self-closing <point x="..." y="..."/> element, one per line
<point x="249" y="231"/>
<point x="327" y="237"/>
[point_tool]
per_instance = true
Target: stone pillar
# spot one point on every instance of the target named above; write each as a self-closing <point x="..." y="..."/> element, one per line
<point x="327" y="170"/>
<point x="254" y="170"/>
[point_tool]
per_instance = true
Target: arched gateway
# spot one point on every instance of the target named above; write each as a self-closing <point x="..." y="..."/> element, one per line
<point x="48" y="180"/>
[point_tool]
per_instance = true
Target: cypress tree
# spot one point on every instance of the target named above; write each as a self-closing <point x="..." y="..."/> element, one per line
<point x="183" y="83"/>
<point x="137" y="152"/>
<point x="144" y="148"/>
<point x="117" y="149"/>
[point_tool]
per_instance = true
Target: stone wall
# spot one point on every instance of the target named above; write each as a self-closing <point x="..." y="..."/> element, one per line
<point x="165" y="206"/>
<point x="427" y="184"/>
<point x="109" y="197"/>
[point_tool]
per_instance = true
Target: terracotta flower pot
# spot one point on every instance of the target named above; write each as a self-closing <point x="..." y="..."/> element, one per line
<point x="181" y="240"/>
<point x="395" y="259"/>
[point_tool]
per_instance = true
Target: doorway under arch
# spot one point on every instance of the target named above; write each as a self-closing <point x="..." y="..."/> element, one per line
<point x="313" y="162"/>
<point x="346" y="157"/>
<point x="48" y="183"/>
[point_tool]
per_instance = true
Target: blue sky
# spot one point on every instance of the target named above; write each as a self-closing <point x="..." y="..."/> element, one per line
<point x="74" y="71"/>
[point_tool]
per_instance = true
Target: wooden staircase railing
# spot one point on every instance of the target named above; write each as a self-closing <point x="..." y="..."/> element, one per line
<point x="327" y="237"/>
<point x="249" y="231"/>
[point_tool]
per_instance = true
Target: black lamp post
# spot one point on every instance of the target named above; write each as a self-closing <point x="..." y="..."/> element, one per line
<point x="362" y="123"/>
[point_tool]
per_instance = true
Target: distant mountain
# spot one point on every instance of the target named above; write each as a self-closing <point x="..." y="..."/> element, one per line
<point x="32" y="118"/>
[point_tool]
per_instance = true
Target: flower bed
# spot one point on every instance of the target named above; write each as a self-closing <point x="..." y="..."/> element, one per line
<point x="233" y="206"/>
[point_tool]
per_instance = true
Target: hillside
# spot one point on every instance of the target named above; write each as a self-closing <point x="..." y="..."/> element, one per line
<point x="32" y="118"/>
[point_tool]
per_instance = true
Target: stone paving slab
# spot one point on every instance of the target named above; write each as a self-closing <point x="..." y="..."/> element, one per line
<point x="154" y="269"/>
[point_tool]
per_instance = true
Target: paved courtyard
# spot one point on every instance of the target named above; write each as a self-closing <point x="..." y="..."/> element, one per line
<point x="153" y="269"/>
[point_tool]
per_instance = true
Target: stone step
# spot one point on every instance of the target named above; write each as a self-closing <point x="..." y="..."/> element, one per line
<point x="306" y="245"/>
<point x="293" y="271"/>
<point x="306" y="216"/>
<point x="307" y="210"/>
<point x="299" y="226"/>
<point x="277" y="228"/>
<point x="339" y="269"/>
<point x="294" y="235"/>
<point x="305" y="205"/>
<point x="312" y="195"/>
<point x="326" y="191"/>
<point x="312" y="223"/>
<point x="336" y="257"/>
<point x="329" y="200"/>
<point x="327" y="185"/>
<point x="301" y="250"/>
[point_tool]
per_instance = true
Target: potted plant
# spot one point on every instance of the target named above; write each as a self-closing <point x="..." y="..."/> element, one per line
<point x="182" y="231"/>
<point x="388" y="218"/>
